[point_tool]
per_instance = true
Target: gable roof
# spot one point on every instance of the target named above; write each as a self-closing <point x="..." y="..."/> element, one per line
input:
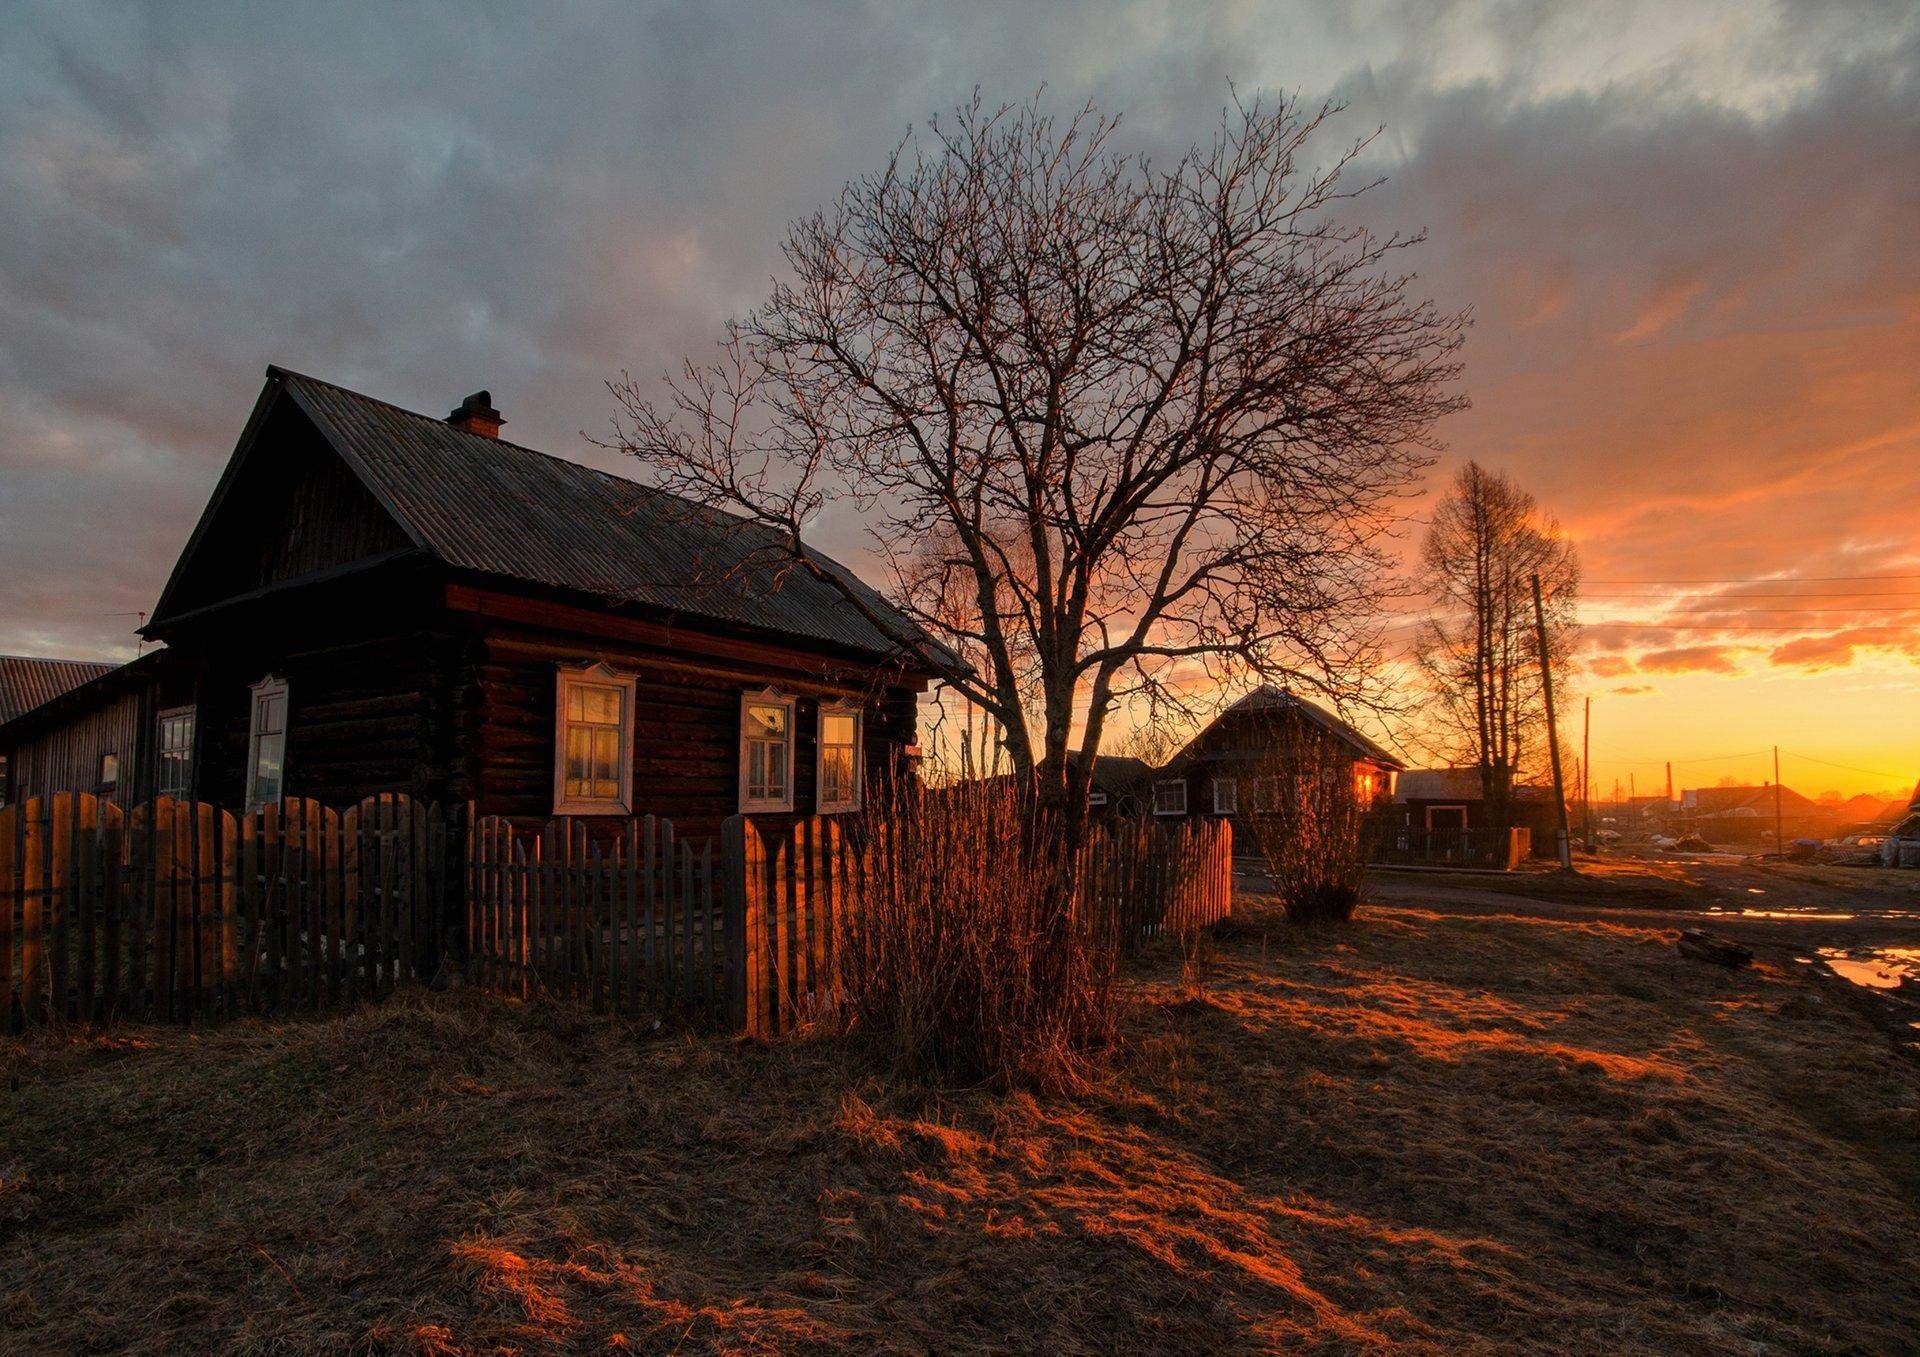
<point x="482" y="504"/>
<point x="27" y="682"/>
<point x="1270" y="699"/>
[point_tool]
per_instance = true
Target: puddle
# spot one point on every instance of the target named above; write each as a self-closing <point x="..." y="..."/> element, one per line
<point x="1783" y="914"/>
<point x="1874" y="967"/>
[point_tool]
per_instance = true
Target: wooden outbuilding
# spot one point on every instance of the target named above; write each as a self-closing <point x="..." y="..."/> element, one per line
<point x="376" y="600"/>
<point x="1224" y="770"/>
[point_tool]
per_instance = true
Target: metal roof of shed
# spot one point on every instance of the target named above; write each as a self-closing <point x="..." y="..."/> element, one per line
<point x="27" y="682"/>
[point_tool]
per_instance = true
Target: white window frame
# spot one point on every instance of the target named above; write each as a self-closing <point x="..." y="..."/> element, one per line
<point x="1096" y="797"/>
<point x="824" y="806"/>
<point x="767" y="697"/>
<point x="265" y="688"/>
<point x="1230" y="804"/>
<point x="160" y="749"/>
<point x="598" y="675"/>
<point x="1158" y="809"/>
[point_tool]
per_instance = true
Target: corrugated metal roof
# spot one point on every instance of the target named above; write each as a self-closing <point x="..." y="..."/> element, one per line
<point x="26" y="682"/>
<point x="487" y="505"/>
<point x="1455" y="784"/>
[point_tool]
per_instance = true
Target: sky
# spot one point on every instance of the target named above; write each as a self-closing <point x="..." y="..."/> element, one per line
<point x="1686" y="233"/>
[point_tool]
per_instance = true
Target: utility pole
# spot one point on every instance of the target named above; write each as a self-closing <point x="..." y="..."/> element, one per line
<point x="1779" y="838"/>
<point x="1586" y="776"/>
<point x="1553" y="731"/>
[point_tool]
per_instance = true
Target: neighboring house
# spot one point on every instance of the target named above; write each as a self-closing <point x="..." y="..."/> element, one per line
<point x="27" y="683"/>
<point x="1118" y="785"/>
<point x="1451" y="798"/>
<point x="1746" y="814"/>
<point x="1220" y="771"/>
<point x="379" y="601"/>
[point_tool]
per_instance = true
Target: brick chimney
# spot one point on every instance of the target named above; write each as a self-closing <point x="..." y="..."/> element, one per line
<point x="477" y="415"/>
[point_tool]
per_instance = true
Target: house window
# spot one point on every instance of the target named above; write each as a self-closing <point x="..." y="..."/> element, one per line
<point x="766" y="751"/>
<point x="838" y="759"/>
<point x="593" y="742"/>
<point x="1170" y="798"/>
<point x="1096" y="797"/>
<point x="1226" y="796"/>
<point x="109" y="773"/>
<point x="175" y="774"/>
<point x="267" y="744"/>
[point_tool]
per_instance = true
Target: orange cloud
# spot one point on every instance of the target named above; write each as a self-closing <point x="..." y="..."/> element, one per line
<point x="1691" y="660"/>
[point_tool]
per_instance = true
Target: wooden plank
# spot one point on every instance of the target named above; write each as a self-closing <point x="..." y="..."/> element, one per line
<point x="780" y="907"/>
<point x="86" y="902"/>
<point x="649" y="907"/>
<point x="689" y="906"/>
<point x="33" y="908"/>
<point x="61" y="905"/>
<point x="630" y="919"/>
<point x="11" y="835"/>
<point x="753" y="900"/>
<point x="206" y="898"/>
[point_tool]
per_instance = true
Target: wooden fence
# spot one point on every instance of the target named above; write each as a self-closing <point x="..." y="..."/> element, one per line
<point x="793" y="886"/>
<point x="177" y="910"/>
<point x="1500" y="850"/>
<point x="180" y="911"/>
<point x="627" y="923"/>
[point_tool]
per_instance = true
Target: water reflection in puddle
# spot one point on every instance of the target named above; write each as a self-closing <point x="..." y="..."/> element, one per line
<point x="1874" y="967"/>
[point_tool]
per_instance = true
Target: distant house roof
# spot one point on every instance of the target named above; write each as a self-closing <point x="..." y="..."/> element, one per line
<point x="1116" y="772"/>
<point x="482" y="504"/>
<point x="1455" y="784"/>
<point x="102" y="684"/>
<point x="27" y="682"/>
<point x="1745" y="801"/>
<point x="1269" y="699"/>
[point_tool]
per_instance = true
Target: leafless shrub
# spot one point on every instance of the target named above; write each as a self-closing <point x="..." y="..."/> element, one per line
<point x="1307" y="822"/>
<point x="970" y="957"/>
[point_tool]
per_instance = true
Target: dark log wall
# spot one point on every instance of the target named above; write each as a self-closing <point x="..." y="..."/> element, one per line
<point x="687" y="726"/>
<point x="372" y="693"/>
<point x="295" y="509"/>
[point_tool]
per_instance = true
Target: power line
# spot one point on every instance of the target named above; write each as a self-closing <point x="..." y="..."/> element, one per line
<point x="1770" y="579"/>
<point x="1871" y="772"/>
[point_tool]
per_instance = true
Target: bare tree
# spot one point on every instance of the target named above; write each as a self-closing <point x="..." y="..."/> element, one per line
<point x="1108" y="421"/>
<point x="1479" y="653"/>
<point x="1306" y="819"/>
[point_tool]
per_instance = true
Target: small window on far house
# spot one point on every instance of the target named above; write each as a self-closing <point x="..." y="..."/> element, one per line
<point x="593" y="742"/>
<point x="1096" y="797"/>
<point x="174" y="777"/>
<point x="267" y="744"/>
<point x="1226" y="796"/>
<point x="1170" y="798"/>
<point x="109" y="772"/>
<point x="837" y="785"/>
<point x="766" y="751"/>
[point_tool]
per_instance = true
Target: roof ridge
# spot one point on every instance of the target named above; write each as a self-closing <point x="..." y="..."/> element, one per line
<point x="491" y="439"/>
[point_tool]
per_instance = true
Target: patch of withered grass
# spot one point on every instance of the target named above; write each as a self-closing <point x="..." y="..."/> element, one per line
<point x="1407" y="1132"/>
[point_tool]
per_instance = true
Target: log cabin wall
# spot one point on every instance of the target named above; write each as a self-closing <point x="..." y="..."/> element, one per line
<point x="371" y="670"/>
<point x="686" y="756"/>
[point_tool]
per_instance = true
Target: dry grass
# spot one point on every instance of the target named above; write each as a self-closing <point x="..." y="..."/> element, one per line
<point x="968" y="960"/>
<point x="1409" y="1132"/>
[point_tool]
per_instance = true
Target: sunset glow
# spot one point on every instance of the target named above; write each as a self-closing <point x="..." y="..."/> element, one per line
<point x="1686" y="235"/>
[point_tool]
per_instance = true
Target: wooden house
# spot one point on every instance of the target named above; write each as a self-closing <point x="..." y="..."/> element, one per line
<point x="380" y="601"/>
<point x="1448" y="799"/>
<point x="1222" y="770"/>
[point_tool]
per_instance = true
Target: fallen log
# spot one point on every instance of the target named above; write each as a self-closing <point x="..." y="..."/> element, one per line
<point x="1704" y="946"/>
